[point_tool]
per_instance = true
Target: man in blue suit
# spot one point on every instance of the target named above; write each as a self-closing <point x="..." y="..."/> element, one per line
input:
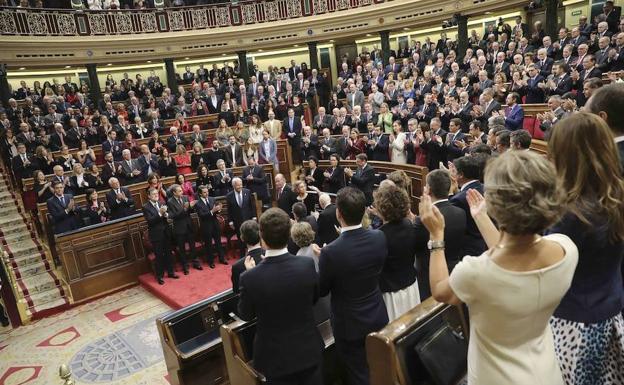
<point x="469" y="175"/>
<point x="515" y="113"/>
<point x="62" y="209"/>
<point x="281" y="292"/>
<point x="349" y="269"/>
<point x="291" y="128"/>
<point x="535" y="86"/>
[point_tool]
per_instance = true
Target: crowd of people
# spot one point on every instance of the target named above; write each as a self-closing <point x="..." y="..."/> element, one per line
<point x="104" y="5"/>
<point x="556" y="227"/>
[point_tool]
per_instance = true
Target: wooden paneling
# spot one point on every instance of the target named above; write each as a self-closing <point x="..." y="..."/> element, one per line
<point x="539" y="146"/>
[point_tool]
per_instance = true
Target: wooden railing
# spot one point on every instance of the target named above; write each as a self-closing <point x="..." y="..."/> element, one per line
<point x="60" y="22"/>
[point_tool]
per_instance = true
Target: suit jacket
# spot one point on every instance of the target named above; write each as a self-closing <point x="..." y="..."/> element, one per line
<point x="359" y="100"/>
<point x="452" y="151"/>
<point x="336" y="180"/>
<point x="454" y="230"/>
<point x="436" y="152"/>
<point x="128" y="168"/>
<point x="286" y="199"/>
<point x="173" y="142"/>
<point x="182" y="223"/>
<point x="546" y="69"/>
<point x="563" y="85"/>
<point x="349" y="269"/>
<point x="534" y="94"/>
<point x="114" y="148"/>
<point x="327" y="146"/>
<point x="514" y="118"/>
<point x="239" y="214"/>
<point x="157" y="226"/>
<point x="20" y="170"/>
<point x="222" y="187"/>
<point x="61" y="220"/>
<point x="327" y="223"/>
<point x="78" y="190"/>
<point x="296" y="128"/>
<point x="380" y="150"/>
<point x="230" y="160"/>
<point x="319" y="123"/>
<point x="281" y="292"/>
<point x="473" y="241"/>
<point x="364" y="179"/>
<point x="122" y="208"/>
<point x="238" y="267"/>
<point x="258" y="184"/>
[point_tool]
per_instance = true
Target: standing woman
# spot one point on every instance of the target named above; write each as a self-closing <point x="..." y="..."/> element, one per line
<point x="586" y="158"/>
<point x="42" y="187"/>
<point x="187" y="187"/>
<point x="183" y="160"/>
<point x="513" y="288"/>
<point x="267" y="152"/>
<point x="203" y="178"/>
<point x="397" y="281"/>
<point x="94" y="212"/>
<point x="397" y="143"/>
<point x="334" y="175"/>
<point x="384" y="120"/>
<point x="166" y="164"/>
<point x="255" y="129"/>
<point x="355" y="145"/>
<point x="420" y="149"/>
<point x="309" y="200"/>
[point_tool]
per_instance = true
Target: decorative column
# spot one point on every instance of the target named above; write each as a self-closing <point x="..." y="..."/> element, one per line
<point x="5" y="91"/>
<point x="551" y="18"/>
<point x="172" y="81"/>
<point x="314" y="63"/>
<point x="385" y="46"/>
<point x="462" y="36"/>
<point x="242" y="65"/>
<point x="95" y="92"/>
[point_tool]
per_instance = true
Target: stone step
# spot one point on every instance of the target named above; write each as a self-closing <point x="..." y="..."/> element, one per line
<point x="39" y="283"/>
<point x="24" y="249"/>
<point x="62" y="301"/>
<point x="17" y="228"/>
<point x="24" y="261"/>
<point x="39" y="300"/>
<point x="17" y="237"/>
<point x="7" y="220"/>
<point x="32" y="269"/>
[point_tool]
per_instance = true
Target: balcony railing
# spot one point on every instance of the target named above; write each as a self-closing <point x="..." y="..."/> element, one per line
<point x="46" y="22"/>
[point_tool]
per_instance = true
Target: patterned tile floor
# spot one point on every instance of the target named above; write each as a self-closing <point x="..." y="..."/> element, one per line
<point x="109" y="341"/>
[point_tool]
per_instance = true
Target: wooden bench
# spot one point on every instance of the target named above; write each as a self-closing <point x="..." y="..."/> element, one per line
<point x="205" y="121"/>
<point x="391" y="356"/>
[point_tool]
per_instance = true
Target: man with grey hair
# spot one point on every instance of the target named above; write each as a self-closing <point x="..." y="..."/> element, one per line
<point x="131" y="168"/>
<point x="241" y="207"/>
<point x="183" y="233"/>
<point x="156" y="215"/>
<point x="119" y="199"/>
<point x="327" y="222"/>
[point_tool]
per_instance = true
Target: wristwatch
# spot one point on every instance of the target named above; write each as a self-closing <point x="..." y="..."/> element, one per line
<point x="434" y="245"/>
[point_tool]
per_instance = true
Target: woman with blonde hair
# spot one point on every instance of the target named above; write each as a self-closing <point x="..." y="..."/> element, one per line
<point x="513" y="288"/>
<point x="223" y="133"/>
<point x="384" y="119"/>
<point x="588" y="324"/>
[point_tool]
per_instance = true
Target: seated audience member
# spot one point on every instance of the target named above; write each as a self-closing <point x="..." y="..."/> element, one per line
<point x="606" y="103"/>
<point x="65" y="159"/>
<point x="328" y="225"/>
<point x="119" y="200"/>
<point x="241" y="207"/>
<point x="94" y="211"/>
<point x="179" y="209"/>
<point x="159" y="235"/>
<point x="97" y="176"/>
<point x="288" y="346"/>
<point x="222" y="179"/>
<point x="233" y="153"/>
<point x="175" y="139"/>
<point x="42" y="187"/>
<point x="586" y="159"/>
<point x="198" y="157"/>
<point x="363" y="178"/>
<point x="503" y="141"/>
<point x="334" y="175"/>
<point x="62" y="210"/>
<point x="438" y="185"/>
<point x="469" y="172"/>
<point x="130" y="168"/>
<point x="514" y="114"/>
<point x="187" y="187"/>
<point x="520" y="140"/>
<point x="250" y="235"/>
<point x="521" y="267"/>
<point x="302" y="234"/>
<point x="166" y="164"/>
<point x="397" y="281"/>
<point x="349" y="270"/>
<point x="112" y="145"/>
<point x="80" y="181"/>
<point x="207" y="210"/>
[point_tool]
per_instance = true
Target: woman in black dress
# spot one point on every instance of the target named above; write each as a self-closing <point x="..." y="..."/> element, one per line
<point x="42" y="188"/>
<point x="203" y="178"/>
<point x="334" y="175"/>
<point x="308" y="199"/>
<point x="314" y="175"/>
<point x="93" y="212"/>
<point x="44" y="160"/>
<point x="167" y="164"/>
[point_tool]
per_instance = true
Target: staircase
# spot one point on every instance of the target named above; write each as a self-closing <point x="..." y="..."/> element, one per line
<point x="37" y="288"/>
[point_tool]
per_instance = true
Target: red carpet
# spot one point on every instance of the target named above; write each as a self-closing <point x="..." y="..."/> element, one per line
<point x="191" y="288"/>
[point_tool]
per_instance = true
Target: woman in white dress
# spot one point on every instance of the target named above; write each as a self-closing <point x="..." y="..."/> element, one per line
<point x="397" y="143"/>
<point x="397" y="281"/>
<point x="513" y="288"/>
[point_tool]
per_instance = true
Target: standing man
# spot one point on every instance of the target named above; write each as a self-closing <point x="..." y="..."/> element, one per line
<point x="62" y="209"/>
<point x="292" y="131"/>
<point x="285" y="195"/>
<point x="241" y="207"/>
<point x="119" y="199"/>
<point x="255" y="181"/>
<point x="281" y="292"/>
<point x="328" y="224"/>
<point x="250" y="235"/>
<point x="207" y="210"/>
<point x="363" y="178"/>
<point x="349" y="269"/>
<point x="180" y="212"/>
<point x="158" y="230"/>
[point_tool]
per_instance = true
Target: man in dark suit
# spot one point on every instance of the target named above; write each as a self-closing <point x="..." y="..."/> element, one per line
<point x="562" y="82"/>
<point x="250" y="235"/>
<point x="156" y="215"/>
<point x="22" y="164"/>
<point x="254" y="180"/>
<point x="112" y="145"/>
<point x="222" y="179"/>
<point x="452" y="148"/>
<point x="607" y="103"/>
<point x="589" y="71"/>
<point x="327" y="222"/>
<point x="119" y="199"/>
<point x="378" y="145"/>
<point x="62" y="210"/>
<point x="435" y="145"/>
<point x="285" y="195"/>
<point x="207" y="210"/>
<point x="469" y="171"/>
<point x="179" y="209"/>
<point x="291" y="128"/>
<point x="174" y="140"/>
<point x="535" y="86"/>
<point x="234" y="153"/>
<point x="349" y="269"/>
<point x="241" y="207"/>
<point x="131" y="168"/>
<point x="438" y="185"/>
<point x="288" y="346"/>
<point x="363" y="178"/>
